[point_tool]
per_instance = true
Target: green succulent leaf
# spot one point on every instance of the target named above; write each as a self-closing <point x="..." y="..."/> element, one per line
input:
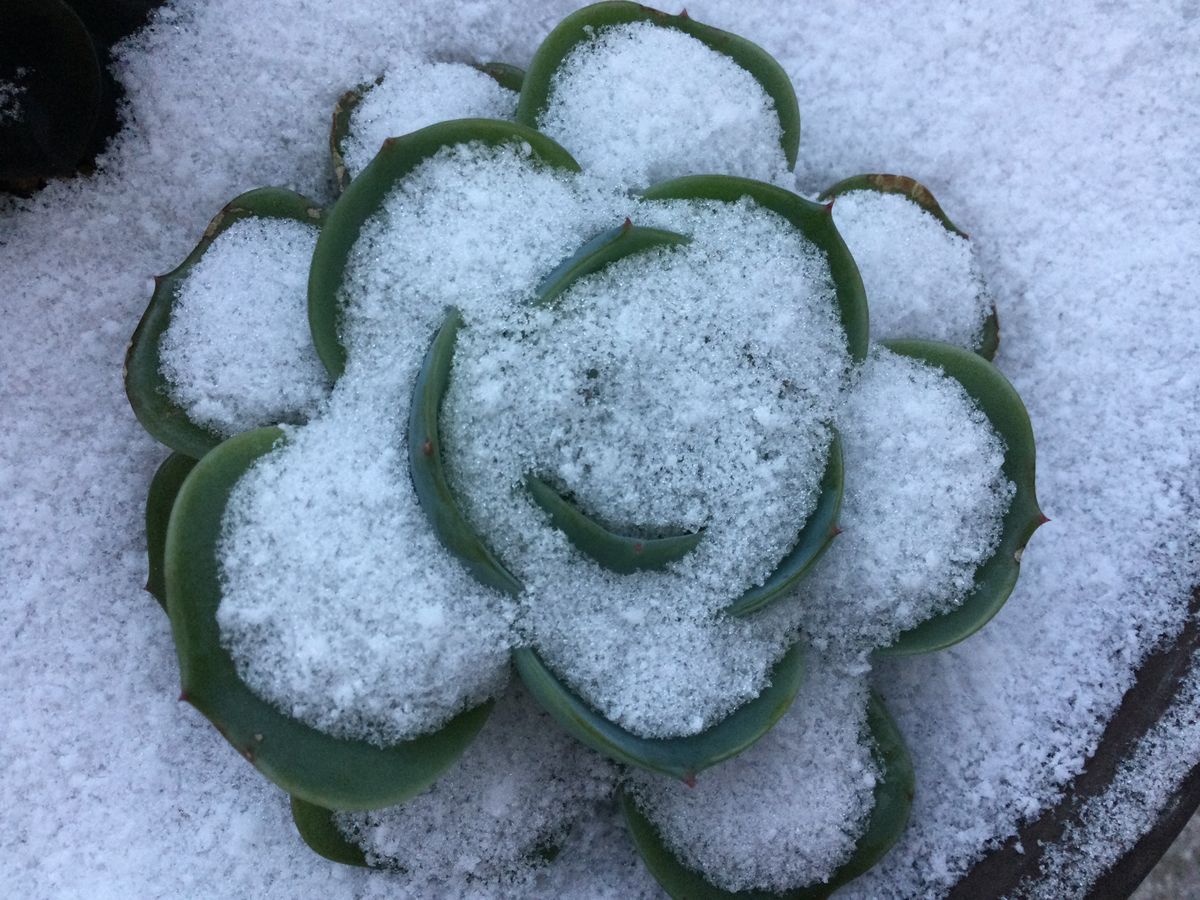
<point x="615" y="552"/>
<point x="506" y="75"/>
<point x="509" y="77"/>
<point x="332" y="772"/>
<point x="995" y="578"/>
<point x="886" y="822"/>
<point x="318" y="829"/>
<point x="428" y="471"/>
<point x="602" y="250"/>
<point x="681" y="757"/>
<point x="144" y="381"/>
<point x="815" y="537"/>
<point x="813" y="220"/>
<point x="164" y="488"/>
<point x="580" y="26"/>
<point x="989" y="341"/>
<point x="894" y="184"/>
<point x="315" y="824"/>
<point x="339" y="130"/>
<point x="364" y="196"/>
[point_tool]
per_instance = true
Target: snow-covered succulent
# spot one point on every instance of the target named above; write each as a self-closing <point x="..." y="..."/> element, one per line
<point x="601" y="425"/>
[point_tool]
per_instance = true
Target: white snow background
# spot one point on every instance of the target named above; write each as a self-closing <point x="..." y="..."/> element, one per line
<point x="1062" y="136"/>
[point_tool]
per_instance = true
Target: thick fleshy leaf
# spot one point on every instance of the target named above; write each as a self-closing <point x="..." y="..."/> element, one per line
<point x="989" y="342"/>
<point x="995" y="579"/>
<point x="681" y="757"/>
<point x="315" y="824"/>
<point x="144" y="381"/>
<point x="815" y="537"/>
<point x="504" y="74"/>
<point x="317" y="828"/>
<point x="428" y="471"/>
<point x="602" y="250"/>
<point x="164" y="488"/>
<point x="615" y="552"/>
<point x="813" y="220"/>
<point x="886" y="822"/>
<point x="332" y="772"/>
<point x="582" y="24"/>
<point x="339" y="129"/>
<point x="366" y="193"/>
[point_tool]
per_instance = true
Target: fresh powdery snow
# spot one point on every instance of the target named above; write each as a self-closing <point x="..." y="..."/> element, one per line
<point x="414" y="94"/>
<point x="669" y="393"/>
<point x="922" y="280"/>
<point x="687" y="108"/>
<point x="513" y="798"/>
<point x="339" y="605"/>
<point x="1046" y="137"/>
<point x="922" y="507"/>
<point x="238" y="353"/>
<point x="741" y="825"/>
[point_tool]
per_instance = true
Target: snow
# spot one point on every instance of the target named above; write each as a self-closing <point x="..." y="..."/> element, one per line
<point x="413" y="94"/>
<point x="922" y="510"/>
<point x="1052" y="135"/>
<point x="922" y="280"/>
<point x="520" y="788"/>
<point x="238" y="353"/>
<point x="655" y="394"/>
<point x="737" y="825"/>
<point x="686" y="108"/>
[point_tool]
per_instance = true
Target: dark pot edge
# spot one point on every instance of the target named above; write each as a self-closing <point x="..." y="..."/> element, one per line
<point x="1005" y="870"/>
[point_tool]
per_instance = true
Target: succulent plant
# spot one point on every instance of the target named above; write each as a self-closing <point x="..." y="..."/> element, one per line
<point x="329" y="770"/>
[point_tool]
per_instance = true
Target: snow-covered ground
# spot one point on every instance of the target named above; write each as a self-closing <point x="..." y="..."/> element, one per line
<point x="1061" y="138"/>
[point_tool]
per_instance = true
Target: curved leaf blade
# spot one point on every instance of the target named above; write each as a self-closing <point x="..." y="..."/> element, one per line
<point x="428" y="471"/>
<point x="145" y="385"/>
<point x="582" y="24"/>
<point x="339" y="130"/>
<point x="504" y="74"/>
<point x="615" y="552"/>
<point x="604" y="249"/>
<point x="315" y="824"/>
<point x="886" y="822"/>
<point x="995" y="578"/>
<point x="812" y="220"/>
<point x="894" y="184"/>
<point x="815" y="537"/>
<point x="164" y="488"/>
<point x="989" y="341"/>
<point x="332" y="772"/>
<point x="364" y="196"/>
<point x="681" y="757"/>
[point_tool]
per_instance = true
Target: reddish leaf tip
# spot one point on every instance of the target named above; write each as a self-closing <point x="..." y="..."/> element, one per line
<point x="684" y="14"/>
<point x="427" y="448"/>
<point x="628" y="224"/>
<point x="184" y="698"/>
<point x="690" y="779"/>
<point x="836" y="530"/>
<point x="638" y="548"/>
